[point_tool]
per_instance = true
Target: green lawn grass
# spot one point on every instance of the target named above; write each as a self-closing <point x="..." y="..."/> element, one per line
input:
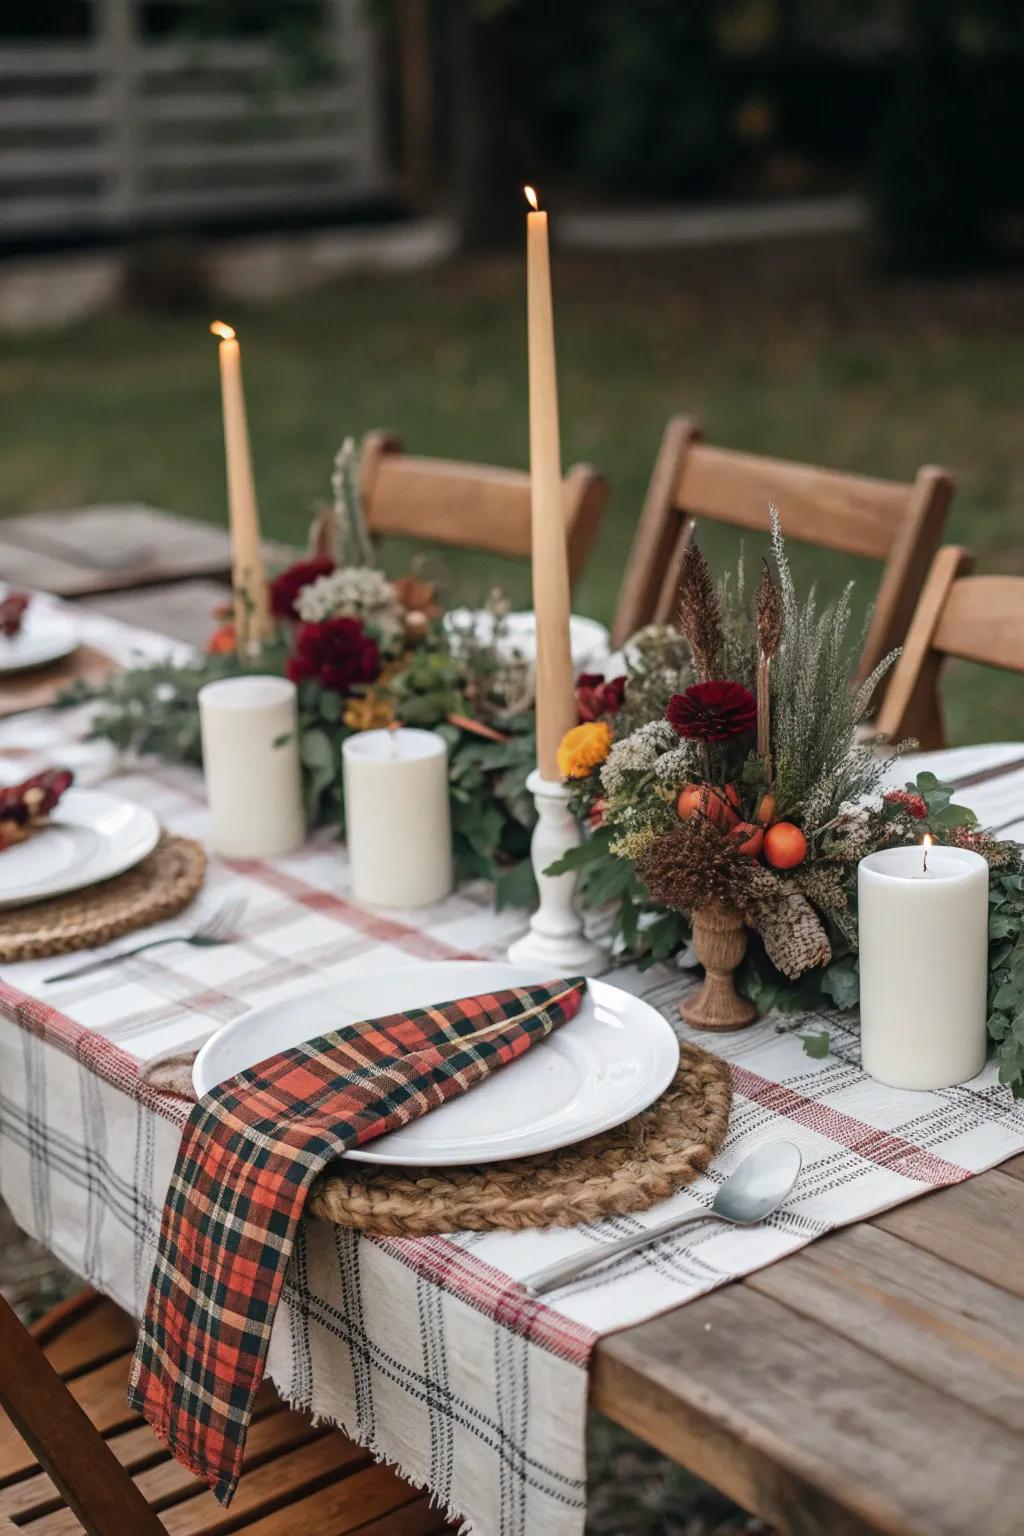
<point x="795" y="350"/>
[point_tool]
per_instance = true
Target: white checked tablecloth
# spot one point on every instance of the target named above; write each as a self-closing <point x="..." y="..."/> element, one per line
<point x="427" y="1350"/>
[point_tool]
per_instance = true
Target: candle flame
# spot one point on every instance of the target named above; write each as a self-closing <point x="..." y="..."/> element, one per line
<point x="927" y="841"/>
<point x="531" y="198"/>
<point x="225" y="332"/>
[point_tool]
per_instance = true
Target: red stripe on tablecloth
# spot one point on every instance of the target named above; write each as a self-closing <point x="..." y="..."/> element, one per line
<point x="884" y="1148"/>
<point x="375" y="925"/>
<point x="495" y="1294"/>
<point x="92" y="1049"/>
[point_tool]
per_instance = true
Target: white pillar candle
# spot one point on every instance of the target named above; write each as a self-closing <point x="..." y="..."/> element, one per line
<point x="398" y="825"/>
<point x="923" y="934"/>
<point x="251" y="762"/>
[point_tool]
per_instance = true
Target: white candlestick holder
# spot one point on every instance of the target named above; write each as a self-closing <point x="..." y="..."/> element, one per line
<point x="555" y="937"/>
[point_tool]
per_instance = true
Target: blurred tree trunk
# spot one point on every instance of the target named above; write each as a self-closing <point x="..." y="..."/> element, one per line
<point x="487" y="118"/>
<point x="416" y="93"/>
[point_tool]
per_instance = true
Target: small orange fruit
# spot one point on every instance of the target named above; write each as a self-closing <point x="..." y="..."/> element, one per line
<point x="747" y="837"/>
<point x="784" y="845"/>
<point x="222" y="641"/>
<point x="710" y="801"/>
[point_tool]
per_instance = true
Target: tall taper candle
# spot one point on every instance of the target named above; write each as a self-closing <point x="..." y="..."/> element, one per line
<point x="556" y="707"/>
<point x="252" y="606"/>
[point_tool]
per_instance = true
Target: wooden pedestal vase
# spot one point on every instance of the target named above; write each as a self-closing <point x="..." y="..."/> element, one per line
<point x="719" y="942"/>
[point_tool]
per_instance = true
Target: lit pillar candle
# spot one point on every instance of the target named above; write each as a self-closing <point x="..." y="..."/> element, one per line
<point x="556" y="708"/>
<point x="252" y="607"/>
<point x="397" y="820"/>
<point x="923" y="936"/>
<point x="250" y="740"/>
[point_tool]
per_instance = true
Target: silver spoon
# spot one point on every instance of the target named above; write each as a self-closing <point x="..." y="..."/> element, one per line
<point x="760" y="1184"/>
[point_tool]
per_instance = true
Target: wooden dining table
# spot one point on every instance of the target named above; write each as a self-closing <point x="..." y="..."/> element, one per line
<point x="872" y="1382"/>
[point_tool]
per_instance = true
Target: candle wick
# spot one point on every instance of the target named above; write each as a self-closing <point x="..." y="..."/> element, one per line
<point x="926" y="858"/>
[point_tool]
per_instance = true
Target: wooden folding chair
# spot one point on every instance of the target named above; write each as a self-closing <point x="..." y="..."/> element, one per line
<point x="898" y="524"/>
<point x="975" y="618"/>
<point x="74" y="1455"/>
<point x="471" y="506"/>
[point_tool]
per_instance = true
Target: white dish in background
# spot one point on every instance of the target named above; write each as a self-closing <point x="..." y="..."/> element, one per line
<point x="588" y="638"/>
<point x="46" y="635"/>
<point x="608" y="1063"/>
<point x="91" y="836"/>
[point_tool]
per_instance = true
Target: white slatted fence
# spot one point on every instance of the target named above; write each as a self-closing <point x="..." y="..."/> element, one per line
<point x="117" y="132"/>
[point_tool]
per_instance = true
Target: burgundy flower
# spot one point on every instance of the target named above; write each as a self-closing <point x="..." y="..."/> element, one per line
<point x="907" y="801"/>
<point x="284" y="589"/>
<point x="337" y="654"/>
<point x="595" y="697"/>
<point x="712" y="711"/>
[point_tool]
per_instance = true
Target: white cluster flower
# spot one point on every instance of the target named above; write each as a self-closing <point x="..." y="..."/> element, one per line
<point x="675" y="766"/>
<point x="636" y="753"/>
<point x="353" y="591"/>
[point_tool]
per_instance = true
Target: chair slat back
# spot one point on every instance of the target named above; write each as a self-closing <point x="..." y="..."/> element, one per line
<point x="973" y="618"/>
<point x="897" y="524"/>
<point x="983" y="620"/>
<point x="850" y="513"/>
<point x="57" y="1431"/>
<point x="470" y="506"/>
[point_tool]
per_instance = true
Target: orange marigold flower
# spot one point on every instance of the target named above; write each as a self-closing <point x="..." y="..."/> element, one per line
<point x="222" y="641"/>
<point x="369" y="713"/>
<point x="584" y="748"/>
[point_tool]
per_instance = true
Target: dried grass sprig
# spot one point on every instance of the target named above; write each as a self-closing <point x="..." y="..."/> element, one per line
<point x="699" y="615"/>
<point x="769" y="615"/>
<point x="769" y="638"/>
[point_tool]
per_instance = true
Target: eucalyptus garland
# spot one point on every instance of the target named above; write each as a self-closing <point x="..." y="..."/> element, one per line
<point x="153" y="710"/>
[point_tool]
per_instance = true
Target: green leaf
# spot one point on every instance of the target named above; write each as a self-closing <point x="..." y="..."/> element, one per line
<point x="1010" y="994"/>
<point x="815" y="1045"/>
<point x="998" y="1026"/>
<point x="952" y="816"/>
<point x="841" y="982"/>
<point x="588" y="852"/>
<point x="516" y="887"/>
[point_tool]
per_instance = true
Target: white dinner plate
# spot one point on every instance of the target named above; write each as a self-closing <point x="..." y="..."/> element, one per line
<point x="91" y="836"/>
<point x="608" y="1063"/>
<point x="589" y="639"/>
<point x="45" y="635"/>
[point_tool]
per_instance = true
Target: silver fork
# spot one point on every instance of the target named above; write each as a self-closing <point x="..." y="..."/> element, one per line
<point x="219" y="928"/>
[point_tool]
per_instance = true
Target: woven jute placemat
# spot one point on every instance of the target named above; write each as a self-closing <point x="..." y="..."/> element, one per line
<point x="157" y="888"/>
<point x="626" y="1169"/>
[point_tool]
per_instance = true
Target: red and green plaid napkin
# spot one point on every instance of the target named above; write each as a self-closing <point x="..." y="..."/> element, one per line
<point x="248" y="1155"/>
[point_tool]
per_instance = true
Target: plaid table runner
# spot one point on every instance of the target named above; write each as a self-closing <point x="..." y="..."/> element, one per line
<point x="250" y="1151"/>
<point x="427" y="1350"/>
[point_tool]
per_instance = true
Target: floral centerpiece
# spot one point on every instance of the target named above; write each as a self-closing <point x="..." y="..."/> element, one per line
<point x="729" y="794"/>
<point x="364" y="652"/>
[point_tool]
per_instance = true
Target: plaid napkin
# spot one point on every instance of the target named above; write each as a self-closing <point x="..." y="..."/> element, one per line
<point x="248" y="1155"/>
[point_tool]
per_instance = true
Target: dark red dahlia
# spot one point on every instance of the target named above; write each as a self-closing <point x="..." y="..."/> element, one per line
<point x="595" y="697"/>
<point x="713" y="711"/>
<point x="337" y="654"/>
<point x="906" y="800"/>
<point x="284" y="589"/>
